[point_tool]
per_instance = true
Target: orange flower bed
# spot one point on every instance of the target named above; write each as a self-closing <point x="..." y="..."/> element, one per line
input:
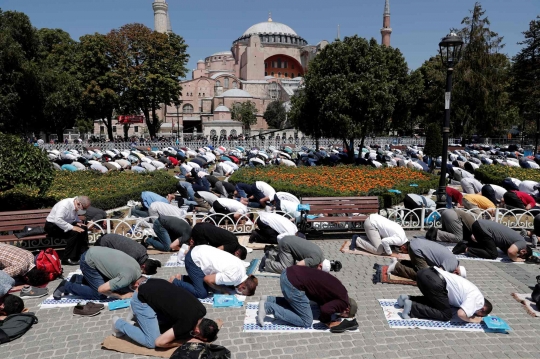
<point x="335" y="181"/>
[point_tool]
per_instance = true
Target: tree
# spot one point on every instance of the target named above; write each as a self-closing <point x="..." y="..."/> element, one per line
<point x="481" y="93"/>
<point x="351" y="89"/>
<point x="434" y="142"/>
<point x="276" y="115"/>
<point x="19" y="78"/>
<point x="103" y="85"/>
<point x="526" y="76"/>
<point x="429" y="107"/>
<point x="410" y="91"/>
<point x="151" y="64"/>
<point x="245" y="112"/>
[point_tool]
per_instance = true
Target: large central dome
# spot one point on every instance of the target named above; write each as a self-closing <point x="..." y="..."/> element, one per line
<point x="270" y="27"/>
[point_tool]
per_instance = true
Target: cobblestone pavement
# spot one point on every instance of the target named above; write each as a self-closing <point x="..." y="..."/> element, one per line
<point x="61" y="335"/>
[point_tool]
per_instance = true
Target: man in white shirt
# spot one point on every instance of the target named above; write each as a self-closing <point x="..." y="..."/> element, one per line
<point x="529" y="187"/>
<point x="381" y="234"/>
<point x="471" y="185"/>
<point x="185" y="169"/>
<point x="223" y="169"/>
<point x="442" y="291"/>
<point x="268" y="191"/>
<point x="211" y="268"/>
<point x="165" y="209"/>
<point x="272" y="227"/>
<point x="493" y="192"/>
<point x="63" y="223"/>
<point x="227" y="206"/>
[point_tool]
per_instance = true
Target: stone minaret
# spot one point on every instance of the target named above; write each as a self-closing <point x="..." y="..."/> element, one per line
<point x="161" y="16"/>
<point x="386" y="29"/>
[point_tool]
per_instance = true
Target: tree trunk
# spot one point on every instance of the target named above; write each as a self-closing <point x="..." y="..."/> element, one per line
<point x="362" y="143"/>
<point x="108" y="124"/>
<point x="350" y="151"/>
<point x="151" y="129"/>
<point x="317" y="143"/>
<point x="154" y="119"/>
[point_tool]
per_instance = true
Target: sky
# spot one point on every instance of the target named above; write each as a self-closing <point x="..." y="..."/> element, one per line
<point x="209" y="26"/>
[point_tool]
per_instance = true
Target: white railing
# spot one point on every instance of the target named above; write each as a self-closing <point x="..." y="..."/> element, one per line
<point x="249" y="143"/>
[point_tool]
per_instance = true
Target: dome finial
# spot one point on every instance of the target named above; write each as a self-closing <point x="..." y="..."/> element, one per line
<point x="270" y="17"/>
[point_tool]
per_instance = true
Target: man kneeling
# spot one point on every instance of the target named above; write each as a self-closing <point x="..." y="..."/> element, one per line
<point x="442" y="291"/>
<point x="381" y="234"/>
<point x="166" y="316"/>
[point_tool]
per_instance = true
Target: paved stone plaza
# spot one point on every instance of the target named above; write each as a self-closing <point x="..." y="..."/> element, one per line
<point x="59" y="334"/>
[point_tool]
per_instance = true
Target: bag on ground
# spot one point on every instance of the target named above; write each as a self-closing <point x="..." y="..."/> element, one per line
<point x="15" y="325"/>
<point x="49" y="261"/>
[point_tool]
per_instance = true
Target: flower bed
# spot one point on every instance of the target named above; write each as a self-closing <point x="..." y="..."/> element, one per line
<point x="341" y="181"/>
<point x="495" y="174"/>
<point x="107" y="191"/>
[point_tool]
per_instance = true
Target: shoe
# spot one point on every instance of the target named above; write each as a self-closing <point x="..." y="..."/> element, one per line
<point x="95" y="305"/>
<point x="59" y="291"/>
<point x="32" y="292"/>
<point x="459" y="248"/>
<point x="143" y="242"/>
<point x="116" y="332"/>
<point x="345" y="326"/>
<point x="431" y="233"/>
<point x="70" y="262"/>
<point x="87" y="309"/>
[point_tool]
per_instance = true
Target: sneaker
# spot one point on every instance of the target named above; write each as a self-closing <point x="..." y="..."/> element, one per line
<point x="87" y="309"/>
<point x="459" y="248"/>
<point x="32" y="292"/>
<point x="116" y="332"/>
<point x="431" y="233"/>
<point x="345" y="326"/>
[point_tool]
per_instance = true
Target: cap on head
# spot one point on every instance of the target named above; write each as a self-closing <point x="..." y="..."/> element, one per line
<point x="462" y="271"/>
<point x="354" y="308"/>
<point x="326" y="266"/>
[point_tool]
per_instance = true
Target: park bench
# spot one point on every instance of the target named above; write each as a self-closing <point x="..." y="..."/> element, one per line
<point x="338" y="212"/>
<point x="15" y="221"/>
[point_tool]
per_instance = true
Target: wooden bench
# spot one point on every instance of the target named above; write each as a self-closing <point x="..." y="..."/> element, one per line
<point x="15" y="221"/>
<point x="338" y="210"/>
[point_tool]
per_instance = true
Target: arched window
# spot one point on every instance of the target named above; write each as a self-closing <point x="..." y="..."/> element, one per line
<point x="223" y="132"/>
<point x="218" y="83"/>
<point x="226" y="83"/>
<point x="234" y="85"/>
<point x="233" y="132"/>
<point x="213" y="133"/>
<point x="187" y="108"/>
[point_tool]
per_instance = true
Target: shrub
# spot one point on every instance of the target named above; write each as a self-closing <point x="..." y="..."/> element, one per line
<point x="107" y="191"/>
<point x="341" y="181"/>
<point x="495" y="174"/>
<point x="23" y="164"/>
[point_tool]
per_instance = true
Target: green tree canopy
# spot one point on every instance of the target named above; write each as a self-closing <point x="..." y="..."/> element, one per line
<point x="434" y="141"/>
<point x="245" y="112"/>
<point x="276" y="115"/>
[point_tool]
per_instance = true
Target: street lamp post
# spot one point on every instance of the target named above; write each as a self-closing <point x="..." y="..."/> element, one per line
<point x="177" y="121"/>
<point x="450" y="51"/>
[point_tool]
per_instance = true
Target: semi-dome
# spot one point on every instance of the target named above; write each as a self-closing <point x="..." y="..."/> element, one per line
<point x="270" y="27"/>
<point x="222" y="109"/>
<point x="235" y="93"/>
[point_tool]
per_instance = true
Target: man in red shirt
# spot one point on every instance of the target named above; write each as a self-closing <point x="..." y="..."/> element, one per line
<point x="453" y="196"/>
<point x="520" y="200"/>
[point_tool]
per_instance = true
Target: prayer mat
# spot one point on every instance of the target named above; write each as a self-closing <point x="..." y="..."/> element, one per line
<point x="153" y="251"/>
<point x="254" y="269"/>
<point x="173" y="262"/>
<point x="529" y="305"/>
<point x="345" y="249"/>
<point x="272" y="325"/>
<point x="382" y="276"/>
<point x="392" y="313"/>
<point x="126" y="345"/>
<point x="244" y="241"/>
<point x="72" y="300"/>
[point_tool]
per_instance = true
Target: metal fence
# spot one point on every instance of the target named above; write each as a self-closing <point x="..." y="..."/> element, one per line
<point x="249" y="143"/>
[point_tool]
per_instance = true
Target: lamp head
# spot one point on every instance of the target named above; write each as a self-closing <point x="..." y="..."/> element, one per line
<point x="450" y="50"/>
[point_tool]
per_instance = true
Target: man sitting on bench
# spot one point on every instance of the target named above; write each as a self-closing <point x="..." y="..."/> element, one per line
<point x="381" y="234"/>
<point x="272" y="227"/>
<point x="442" y="291"/>
<point x="166" y="315"/>
<point x="291" y="251"/>
<point x="300" y="285"/>
<point x="19" y="265"/>
<point x="207" y="233"/>
<point x="425" y="254"/>
<point x="212" y="268"/>
<point x="487" y="236"/>
<point x="132" y="248"/>
<point x="106" y="272"/>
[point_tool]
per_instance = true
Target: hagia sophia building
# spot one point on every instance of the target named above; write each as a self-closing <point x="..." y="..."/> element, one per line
<point x="266" y="63"/>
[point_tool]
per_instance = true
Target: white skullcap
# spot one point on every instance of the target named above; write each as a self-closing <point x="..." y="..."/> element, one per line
<point x="326" y="266"/>
<point x="463" y="271"/>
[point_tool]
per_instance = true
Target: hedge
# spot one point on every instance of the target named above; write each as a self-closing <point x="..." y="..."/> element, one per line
<point x="107" y="191"/>
<point x="495" y="174"/>
<point x="341" y="181"/>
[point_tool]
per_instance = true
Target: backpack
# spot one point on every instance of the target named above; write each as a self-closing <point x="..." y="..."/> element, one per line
<point x="201" y="351"/>
<point x="15" y="325"/>
<point x="49" y="261"/>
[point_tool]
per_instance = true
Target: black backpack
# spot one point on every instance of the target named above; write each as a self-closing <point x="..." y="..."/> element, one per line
<point x="201" y="351"/>
<point x="15" y="325"/>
